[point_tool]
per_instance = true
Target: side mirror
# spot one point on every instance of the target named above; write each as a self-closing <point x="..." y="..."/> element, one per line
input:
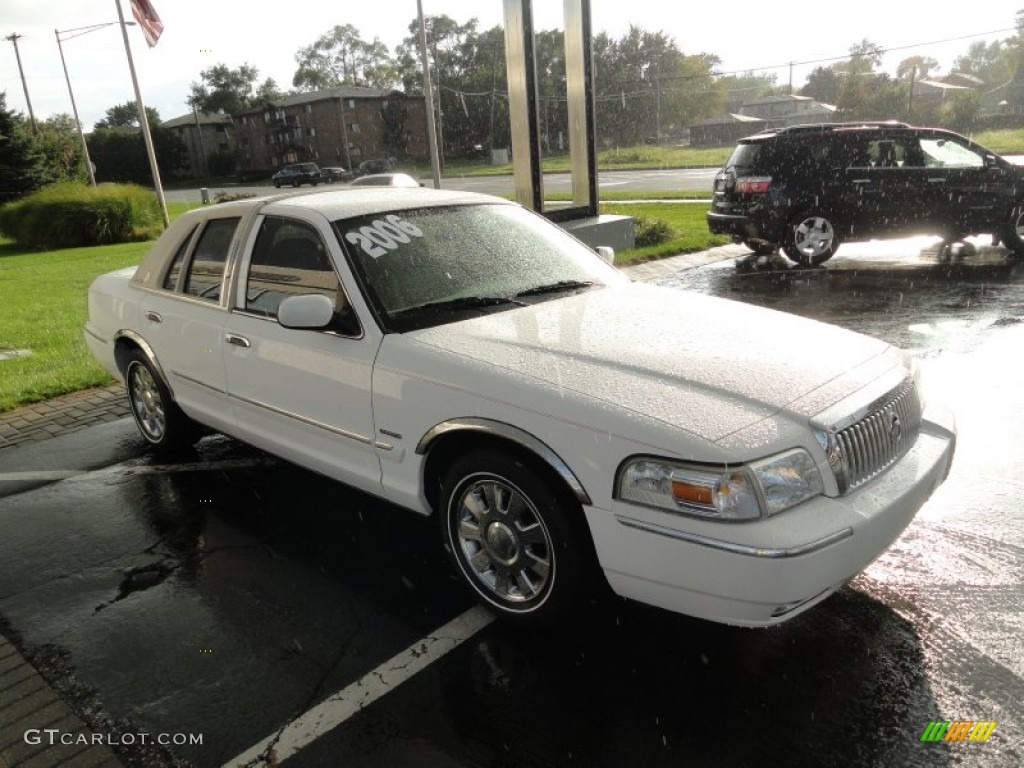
<point x="607" y="254"/>
<point x="311" y="311"/>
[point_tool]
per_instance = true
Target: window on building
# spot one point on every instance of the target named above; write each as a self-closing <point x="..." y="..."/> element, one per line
<point x="311" y="131"/>
<point x="309" y="108"/>
<point x="351" y="103"/>
<point x="353" y="127"/>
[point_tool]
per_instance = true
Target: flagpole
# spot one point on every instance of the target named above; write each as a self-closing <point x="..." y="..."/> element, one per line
<point x="143" y="121"/>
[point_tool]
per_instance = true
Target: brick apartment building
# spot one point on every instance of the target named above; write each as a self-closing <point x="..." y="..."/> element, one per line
<point x="334" y="127"/>
<point x="205" y="135"/>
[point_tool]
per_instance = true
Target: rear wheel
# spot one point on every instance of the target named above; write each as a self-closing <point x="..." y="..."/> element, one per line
<point x="812" y="238"/>
<point x="162" y="423"/>
<point x="512" y="538"/>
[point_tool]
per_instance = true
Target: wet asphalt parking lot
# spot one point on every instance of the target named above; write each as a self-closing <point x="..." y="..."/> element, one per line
<point x="284" y="617"/>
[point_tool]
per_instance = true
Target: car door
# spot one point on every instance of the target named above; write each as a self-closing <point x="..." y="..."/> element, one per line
<point x="183" y="323"/>
<point x="303" y="394"/>
<point x="971" y="189"/>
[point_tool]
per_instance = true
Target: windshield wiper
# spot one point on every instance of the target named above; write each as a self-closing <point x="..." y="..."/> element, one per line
<point x="462" y="302"/>
<point x="561" y="285"/>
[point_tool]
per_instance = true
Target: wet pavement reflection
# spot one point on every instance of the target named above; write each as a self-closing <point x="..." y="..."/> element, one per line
<point x="227" y="592"/>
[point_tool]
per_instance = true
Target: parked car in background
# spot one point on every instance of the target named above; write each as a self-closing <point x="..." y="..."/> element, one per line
<point x="331" y="174"/>
<point x="297" y="174"/>
<point x="808" y="188"/>
<point x="386" y="180"/>
<point x="465" y="358"/>
<point x="381" y="165"/>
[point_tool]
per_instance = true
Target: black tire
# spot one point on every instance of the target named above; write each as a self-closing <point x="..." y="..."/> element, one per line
<point x="514" y="541"/>
<point x="1012" y="232"/>
<point x="160" y="421"/>
<point x="811" y="238"/>
<point x="277" y="185"/>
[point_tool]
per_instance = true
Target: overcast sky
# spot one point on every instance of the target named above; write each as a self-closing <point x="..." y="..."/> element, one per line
<point x="744" y="34"/>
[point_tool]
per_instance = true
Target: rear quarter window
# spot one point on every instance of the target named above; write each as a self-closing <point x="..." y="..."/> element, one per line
<point x="745" y="155"/>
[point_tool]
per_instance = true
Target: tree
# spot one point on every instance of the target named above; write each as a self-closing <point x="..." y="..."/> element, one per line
<point x="118" y="149"/>
<point x="916" y="67"/>
<point x="342" y="57"/>
<point x="61" y="148"/>
<point x="23" y="167"/>
<point x="231" y="91"/>
<point x="127" y="116"/>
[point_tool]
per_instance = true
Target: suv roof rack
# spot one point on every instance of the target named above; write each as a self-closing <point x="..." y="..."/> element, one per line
<point x="822" y="127"/>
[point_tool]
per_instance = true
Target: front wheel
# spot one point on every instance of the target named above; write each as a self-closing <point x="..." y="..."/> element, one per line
<point x="811" y="239"/>
<point x="1012" y="232"/>
<point x="162" y="423"/>
<point x="513" y="539"/>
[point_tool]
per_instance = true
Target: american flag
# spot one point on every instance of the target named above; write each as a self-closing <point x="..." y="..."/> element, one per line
<point x="147" y="18"/>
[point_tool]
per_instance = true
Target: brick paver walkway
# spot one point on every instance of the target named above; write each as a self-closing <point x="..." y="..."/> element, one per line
<point x="61" y="415"/>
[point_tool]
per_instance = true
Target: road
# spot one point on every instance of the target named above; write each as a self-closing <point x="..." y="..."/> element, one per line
<point x="241" y="598"/>
<point x="699" y="179"/>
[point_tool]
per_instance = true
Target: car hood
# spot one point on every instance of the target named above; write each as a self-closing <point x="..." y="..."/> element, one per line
<point x="707" y="365"/>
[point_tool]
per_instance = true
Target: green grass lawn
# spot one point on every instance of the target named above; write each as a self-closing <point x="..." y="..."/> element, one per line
<point x="44" y="310"/>
<point x="688" y="219"/>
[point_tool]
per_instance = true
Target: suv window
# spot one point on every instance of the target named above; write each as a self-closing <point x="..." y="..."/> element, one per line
<point x="946" y="153"/>
<point x="744" y="155"/>
<point x="206" y="272"/>
<point x="289" y="259"/>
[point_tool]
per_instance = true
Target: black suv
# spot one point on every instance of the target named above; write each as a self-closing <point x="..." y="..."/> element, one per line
<point x="297" y="175"/>
<point x="807" y="188"/>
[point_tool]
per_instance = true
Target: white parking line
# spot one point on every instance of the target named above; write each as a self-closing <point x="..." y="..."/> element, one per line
<point x="339" y="707"/>
<point x="40" y="474"/>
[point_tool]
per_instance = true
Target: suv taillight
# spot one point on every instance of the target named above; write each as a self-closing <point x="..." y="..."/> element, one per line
<point x="752" y="185"/>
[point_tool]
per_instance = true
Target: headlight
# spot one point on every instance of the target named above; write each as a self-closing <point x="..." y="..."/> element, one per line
<point x="747" y="492"/>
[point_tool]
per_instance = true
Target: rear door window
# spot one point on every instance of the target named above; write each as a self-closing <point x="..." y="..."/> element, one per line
<point x="206" y="272"/>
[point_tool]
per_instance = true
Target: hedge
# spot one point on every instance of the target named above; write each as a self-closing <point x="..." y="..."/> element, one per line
<point x="69" y="215"/>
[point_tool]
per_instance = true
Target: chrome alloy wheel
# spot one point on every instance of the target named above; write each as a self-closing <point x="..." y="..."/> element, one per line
<point x="814" y="238"/>
<point x="147" y="404"/>
<point x="503" y="540"/>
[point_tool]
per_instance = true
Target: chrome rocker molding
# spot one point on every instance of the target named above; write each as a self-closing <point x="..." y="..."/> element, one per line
<point x="737" y="549"/>
<point x="512" y="434"/>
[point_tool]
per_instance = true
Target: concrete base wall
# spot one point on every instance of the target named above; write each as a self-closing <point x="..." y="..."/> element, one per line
<point x="618" y="232"/>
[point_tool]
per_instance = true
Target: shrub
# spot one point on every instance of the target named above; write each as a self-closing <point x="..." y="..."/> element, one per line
<point x="69" y="215"/>
<point x="651" y="231"/>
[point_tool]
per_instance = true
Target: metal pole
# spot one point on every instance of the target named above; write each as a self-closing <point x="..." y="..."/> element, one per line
<point x="202" y="146"/>
<point x="31" y="115"/>
<point x="142" y="119"/>
<point x="74" y="109"/>
<point x="428" y="96"/>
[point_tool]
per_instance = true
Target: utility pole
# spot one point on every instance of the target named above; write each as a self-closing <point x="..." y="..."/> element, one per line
<point x="657" y="102"/>
<point x="428" y="96"/>
<point x="31" y="115"/>
<point x="74" y="108"/>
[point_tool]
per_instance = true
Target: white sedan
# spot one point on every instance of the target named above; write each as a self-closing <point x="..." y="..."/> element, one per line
<point x="464" y="358"/>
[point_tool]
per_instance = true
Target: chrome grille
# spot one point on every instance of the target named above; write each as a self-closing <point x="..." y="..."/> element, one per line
<point x="877" y="440"/>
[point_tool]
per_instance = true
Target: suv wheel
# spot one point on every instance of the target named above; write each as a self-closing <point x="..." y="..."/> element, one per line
<point x="1012" y="233"/>
<point x="811" y="239"/>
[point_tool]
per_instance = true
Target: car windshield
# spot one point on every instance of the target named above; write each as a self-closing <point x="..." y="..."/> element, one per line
<point x="429" y="266"/>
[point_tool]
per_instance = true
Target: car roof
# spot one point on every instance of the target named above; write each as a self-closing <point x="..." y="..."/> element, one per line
<point x="333" y="204"/>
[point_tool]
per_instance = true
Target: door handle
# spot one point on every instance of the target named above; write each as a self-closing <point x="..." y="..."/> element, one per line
<point x="238" y="341"/>
<point x="154" y="316"/>
<point x="936" y="180"/>
<point x="859" y="181"/>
